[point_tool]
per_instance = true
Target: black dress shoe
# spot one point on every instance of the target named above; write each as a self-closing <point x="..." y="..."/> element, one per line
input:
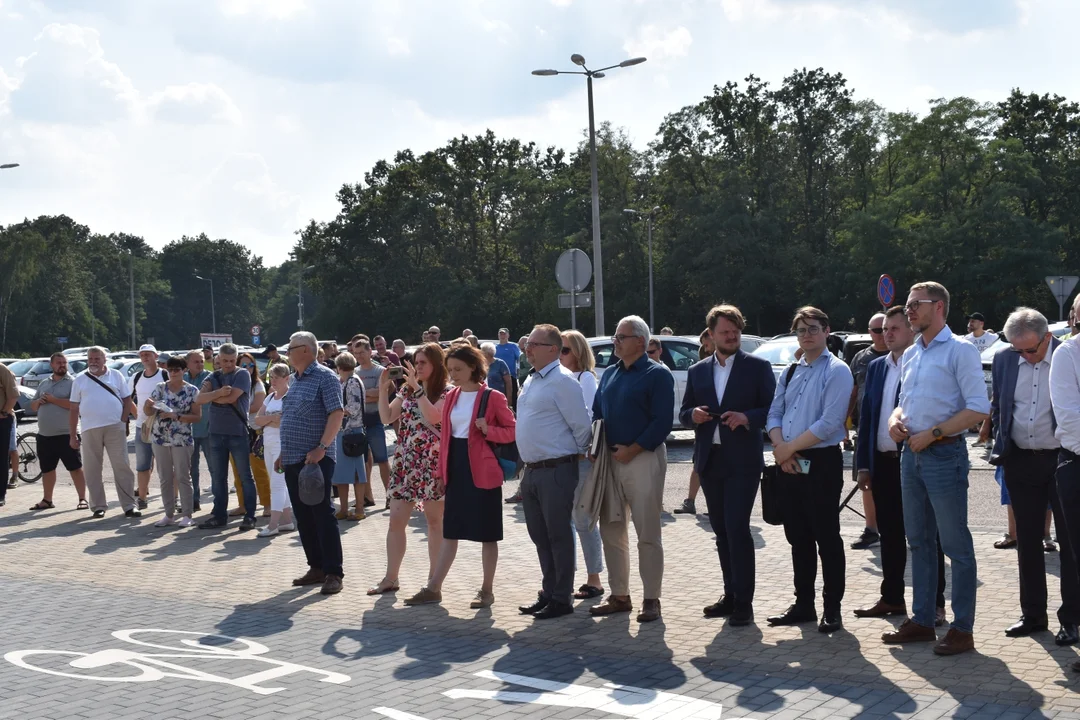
<point x="830" y="622"/>
<point x="794" y="615"/>
<point x="1026" y="626"/>
<point x="721" y="608"/>
<point x="540" y="604"/>
<point x="1067" y="635"/>
<point x="740" y="618"/>
<point x="554" y="609"/>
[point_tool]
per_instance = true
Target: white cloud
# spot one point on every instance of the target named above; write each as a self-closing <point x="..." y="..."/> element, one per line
<point x="274" y="9"/>
<point x="397" y="47"/>
<point x="194" y="103"/>
<point x="657" y="44"/>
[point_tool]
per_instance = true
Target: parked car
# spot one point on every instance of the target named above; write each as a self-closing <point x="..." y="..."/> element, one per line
<point x="22" y="405"/>
<point x="43" y="369"/>
<point x="780" y="352"/>
<point x="680" y="352"/>
<point x="853" y="344"/>
<point x="80" y="351"/>
<point x="21" y="367"/>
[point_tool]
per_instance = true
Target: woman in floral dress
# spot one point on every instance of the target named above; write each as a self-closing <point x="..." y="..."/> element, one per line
<point x="172" y="441"/>
<point x="414" y="480"/>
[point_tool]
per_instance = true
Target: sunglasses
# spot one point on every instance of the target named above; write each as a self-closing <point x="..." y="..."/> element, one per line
<point x="565" y="351"/>
<point x="1034" y="350"/>
<point x="654" y="351"/>
<point x="877" y="331"/>
<point x="247" y="366"/>
<point x="176" y="370"/>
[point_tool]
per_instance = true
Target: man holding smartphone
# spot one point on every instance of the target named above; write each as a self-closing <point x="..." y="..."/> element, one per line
<point x="727" y="402"/>
<point x="806" y="422"/>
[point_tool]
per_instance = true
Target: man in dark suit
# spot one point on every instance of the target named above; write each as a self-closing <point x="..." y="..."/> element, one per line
<point x="727" y="402"/>
<point x="1026" y="446"/>
<point x="878" y="462"/>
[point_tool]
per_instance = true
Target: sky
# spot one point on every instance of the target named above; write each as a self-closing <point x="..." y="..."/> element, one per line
<point x="242" y="119"/>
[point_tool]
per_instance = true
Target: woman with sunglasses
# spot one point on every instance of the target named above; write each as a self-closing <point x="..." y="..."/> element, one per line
<point x="172" y="441"/>
<point x="577" y="357"/>
<point x="256" y="396"/>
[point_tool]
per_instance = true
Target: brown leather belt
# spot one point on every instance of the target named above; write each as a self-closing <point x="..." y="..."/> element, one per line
<point x="894" y="454"/>
<point x="541" y="464"/>
<point x="948" y="439"/>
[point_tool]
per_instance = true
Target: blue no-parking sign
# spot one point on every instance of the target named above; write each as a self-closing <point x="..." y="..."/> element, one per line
<point x="886" y="291"/>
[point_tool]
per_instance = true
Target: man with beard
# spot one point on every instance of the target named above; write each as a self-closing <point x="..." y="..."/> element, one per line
<point x="727" y="402"/>
<point x="52" y="405"/>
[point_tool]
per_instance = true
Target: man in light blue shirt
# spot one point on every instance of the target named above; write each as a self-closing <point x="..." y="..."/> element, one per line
<point x="806" y="426"/>
<point x="942" y="394"/>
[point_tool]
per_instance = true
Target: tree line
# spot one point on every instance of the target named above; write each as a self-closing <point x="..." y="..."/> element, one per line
<point x="770" y="197"/>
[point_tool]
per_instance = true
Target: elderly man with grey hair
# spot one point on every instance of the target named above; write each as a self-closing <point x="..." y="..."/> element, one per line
<point x="1026" y="448"/>
<point x="636" y="401"/>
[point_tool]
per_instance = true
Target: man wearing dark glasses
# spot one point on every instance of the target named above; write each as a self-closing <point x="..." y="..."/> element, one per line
<point x="1025" y="446"/>
<point x="859" y="365"/>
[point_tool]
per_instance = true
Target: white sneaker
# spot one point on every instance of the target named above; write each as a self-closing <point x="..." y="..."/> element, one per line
<point x="186" y="521"/>
<point x="267" y="532"/>
<point x="286" y="527"/>
<point x="165" y="522"/>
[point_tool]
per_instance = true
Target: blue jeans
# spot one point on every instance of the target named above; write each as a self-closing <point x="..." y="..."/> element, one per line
<point x="376" y="437"/>
<point x="591" y="546"/>
<point x="201" y="445"/>
<point x="221" y="447"/>
<point x="935" y="490"/>
<point x="144" y="454"/>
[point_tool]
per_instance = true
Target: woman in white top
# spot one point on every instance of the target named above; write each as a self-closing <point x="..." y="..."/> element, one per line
<point x="269" y="419"/>
<point x="577" y="357"/>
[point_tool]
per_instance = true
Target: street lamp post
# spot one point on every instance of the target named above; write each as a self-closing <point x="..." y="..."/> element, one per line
<point x="213" y="310"/>
<point x="131" y="278"/>
<point x="93" y="316"/>
<point x="598" y="265"/>
<point x="300" y="297"/>
<point x="648" y="223"/>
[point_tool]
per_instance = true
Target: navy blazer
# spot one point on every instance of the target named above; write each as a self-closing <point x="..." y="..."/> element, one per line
<point x="1003" y="373"/>
<point x="870" y="413"/>
<point x="749" y="390"/>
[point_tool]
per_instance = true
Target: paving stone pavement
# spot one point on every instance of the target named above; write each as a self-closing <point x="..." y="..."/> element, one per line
<point x="70" y="582"/>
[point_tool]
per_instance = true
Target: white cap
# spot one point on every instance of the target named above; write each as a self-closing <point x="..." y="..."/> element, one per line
<point x="148" y="348"/>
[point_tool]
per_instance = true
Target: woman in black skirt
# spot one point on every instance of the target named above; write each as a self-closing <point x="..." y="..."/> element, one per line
<point x="473" y="477"/>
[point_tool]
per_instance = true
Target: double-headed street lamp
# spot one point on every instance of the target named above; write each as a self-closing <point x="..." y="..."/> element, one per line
<point x="648" y="220"/>
<point x="598" y="266"/>
<point x="213" y="311"/>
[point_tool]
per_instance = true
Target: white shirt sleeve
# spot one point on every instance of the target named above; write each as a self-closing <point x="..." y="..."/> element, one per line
<point x="1065" y="394"/>
<point x="588" y="389"/>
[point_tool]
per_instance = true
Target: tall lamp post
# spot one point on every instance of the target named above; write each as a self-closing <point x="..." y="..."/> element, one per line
<point x="213" y="311"/>
<point x="300" y="297"/>
<point x="131" y="279"/>
<point x="93" y="315"/>
<point x="598" y="265"/>
<point x="648" y="222"/>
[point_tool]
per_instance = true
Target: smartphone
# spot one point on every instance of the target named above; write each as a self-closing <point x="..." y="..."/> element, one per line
<point x="396" y="372"/>
<point x="804" y="465"/>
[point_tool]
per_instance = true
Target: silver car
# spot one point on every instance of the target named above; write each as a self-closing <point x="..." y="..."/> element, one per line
<point x="43" y="369"/>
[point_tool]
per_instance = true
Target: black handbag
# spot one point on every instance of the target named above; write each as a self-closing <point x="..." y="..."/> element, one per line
<point x="355" y="442"/>
<point x="772" y="495"/>
<point x="506" y="453"/>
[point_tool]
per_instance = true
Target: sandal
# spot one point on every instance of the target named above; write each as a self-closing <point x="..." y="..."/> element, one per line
<point x="43" y="505"/>
<point x="588" y="592"/>
<point x="382" y="589"/>
<point x="1007" y="541"/>
<point x="83" y="505"/>
<point x="355" y="517"/>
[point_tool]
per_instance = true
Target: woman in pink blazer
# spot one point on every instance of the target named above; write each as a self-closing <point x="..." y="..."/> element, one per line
<point x="473" y="505"/>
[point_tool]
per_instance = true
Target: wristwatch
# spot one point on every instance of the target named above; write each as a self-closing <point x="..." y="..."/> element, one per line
<point x="937" y="433"/>
<point x="324" y="447"/>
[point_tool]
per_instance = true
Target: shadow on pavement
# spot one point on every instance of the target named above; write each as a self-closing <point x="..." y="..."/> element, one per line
<point x="270" y="616"/>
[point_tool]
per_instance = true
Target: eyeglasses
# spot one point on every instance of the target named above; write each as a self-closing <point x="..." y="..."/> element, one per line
<point x="808" y="330"/>
<point x="621" y="338"/>
<point x="654" y="351"/>
<point x="914" y="304"/>
<point x="294" y="347"/>
<point x="531" y="344"/>
<point x="174" y="370"/>
<point x="565" y="351"/>
<point x="1034" y="350"/>
<point x="877" y="331"/>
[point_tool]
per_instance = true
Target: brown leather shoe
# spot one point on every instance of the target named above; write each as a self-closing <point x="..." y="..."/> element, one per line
<point x="313" y="576"/>
<point x="650" y="611"/>
<point x="332" y="585"/>
<point x="612" y="606"/>
<point x="955" y="642"/>
<point x="909" y="632"/>
<point x="881" y="609"/>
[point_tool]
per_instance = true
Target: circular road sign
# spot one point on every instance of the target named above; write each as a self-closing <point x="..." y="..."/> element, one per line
<point x="573" y="270"/>
<point x="256" y="330"/>
<point x="886" y="290"/>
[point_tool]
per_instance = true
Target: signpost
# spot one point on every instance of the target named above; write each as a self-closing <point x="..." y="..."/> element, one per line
<point x="886" y="291"/>
<point x="214" y="340"/>
<point x="1061" y="287"/>
<point x="62" y="341"/>
<point x="256" y="331"/>
<point x="575" y="300"/>
<point x="573" y="270"/>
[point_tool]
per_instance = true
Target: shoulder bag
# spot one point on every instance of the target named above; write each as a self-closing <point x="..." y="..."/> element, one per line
<point x="773" y="481"/>
<point x="354" y="443"/>
<point x="255" y="438"/>
<point x="505" y="453"/>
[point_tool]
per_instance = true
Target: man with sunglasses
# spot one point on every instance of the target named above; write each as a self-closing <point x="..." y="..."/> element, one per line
<point x="859" y="365"/>
<point x="1026" y="449"/>
<point x="942" y="394"/>
<point x="977" y="333"/>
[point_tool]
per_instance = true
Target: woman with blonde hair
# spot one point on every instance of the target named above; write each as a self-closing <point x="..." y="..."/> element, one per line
<point x="269" y="420"/>
<point x="414" y="479"/>
<point x="577" y="357"/>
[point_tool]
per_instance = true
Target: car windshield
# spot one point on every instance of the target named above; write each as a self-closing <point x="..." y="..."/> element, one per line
<point x="21" y="367"/>
<point x="41" y="368"/>
<point x="779" y="352"/>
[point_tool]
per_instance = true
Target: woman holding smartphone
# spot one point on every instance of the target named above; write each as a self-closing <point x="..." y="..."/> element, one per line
<point x="470" y="471"/>
<point x="269" y="419"/>
<point x="414" y="478"/>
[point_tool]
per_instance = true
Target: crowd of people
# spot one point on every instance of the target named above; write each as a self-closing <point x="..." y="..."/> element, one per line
<point x="591" y="455"/>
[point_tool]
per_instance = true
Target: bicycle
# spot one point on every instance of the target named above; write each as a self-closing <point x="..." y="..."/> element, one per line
<point x="29" y="465"/>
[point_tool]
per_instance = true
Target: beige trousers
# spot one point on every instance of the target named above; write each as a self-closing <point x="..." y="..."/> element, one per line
<point x="96" y="443"/>
<point x="174" y="468"/>
<point x="642" y="483"/>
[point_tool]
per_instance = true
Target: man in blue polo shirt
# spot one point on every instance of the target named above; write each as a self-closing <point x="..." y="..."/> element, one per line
<point x="509" y="353"/>
<point x="636" y="400"/>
